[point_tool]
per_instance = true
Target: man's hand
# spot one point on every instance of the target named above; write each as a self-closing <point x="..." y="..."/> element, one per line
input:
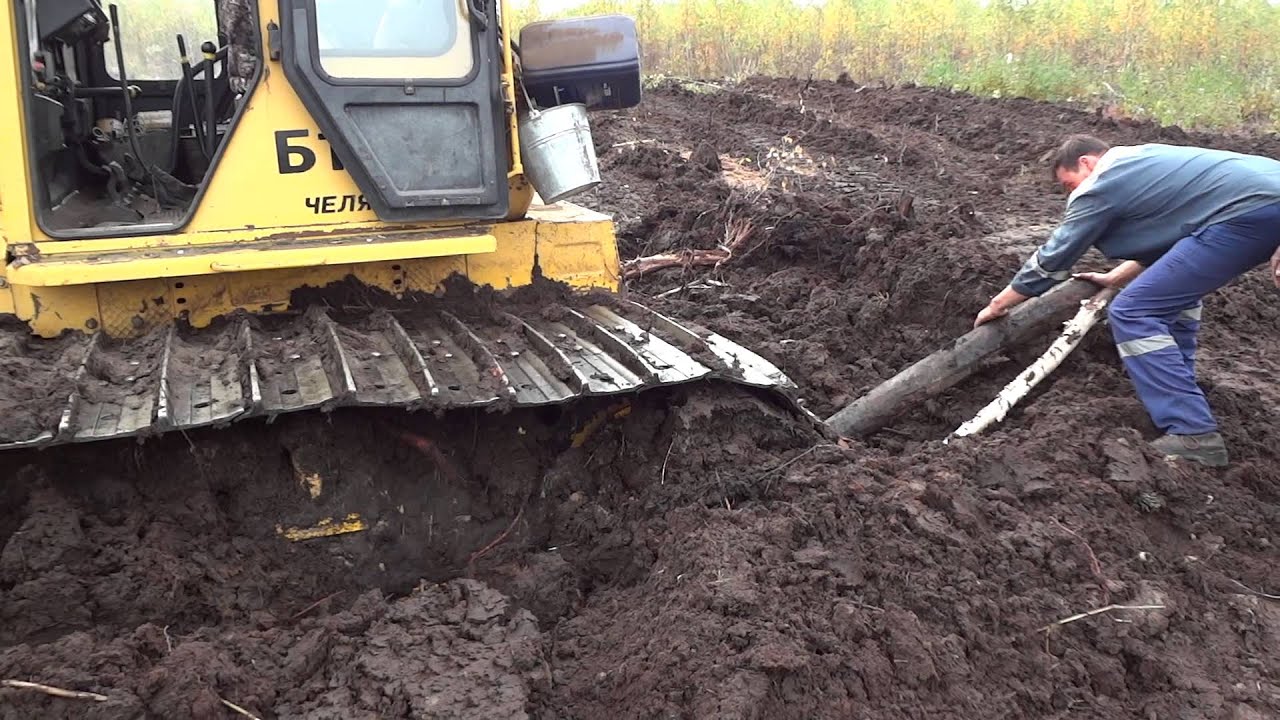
<point x="1119" y="276"/>
<point x="1104" y="279"/>
<point x="999" y="306"/>
<point x="1275" y="267"/>
<point x="988" y="314"/>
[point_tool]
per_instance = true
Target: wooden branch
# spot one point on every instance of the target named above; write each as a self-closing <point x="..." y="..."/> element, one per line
<point x="54" y="691"/>
<point x="736" y="233"/>
<point x="1251" y="590"/>
<point x="952" y="364"/>
<point x="1098" y="611"/>
<point x="238" y="710"/>
<point x="684" y="258"/>
<point x="1075" y="330"/>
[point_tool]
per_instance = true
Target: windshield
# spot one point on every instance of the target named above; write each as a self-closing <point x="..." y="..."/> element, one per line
<point x="394" y="39"/>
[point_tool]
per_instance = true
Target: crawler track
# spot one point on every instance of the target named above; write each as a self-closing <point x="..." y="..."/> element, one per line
<point x="176" y="379"/>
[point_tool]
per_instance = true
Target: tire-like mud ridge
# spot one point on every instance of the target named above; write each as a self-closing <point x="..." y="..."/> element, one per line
<point x="700" y="552"/>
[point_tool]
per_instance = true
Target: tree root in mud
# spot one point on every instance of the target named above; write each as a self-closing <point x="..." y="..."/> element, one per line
<point x="471" y="561"/>
<point x="736" y="234"/>
<point x="684" y="258"/>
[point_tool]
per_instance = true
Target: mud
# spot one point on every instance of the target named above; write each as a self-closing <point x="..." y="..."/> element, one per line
<point x="193" y="357"/>
<point x="202" y="376"/>
<point x="45" y="373"/>
<point x="700" y="552"/>
<point x="122" y="378"/>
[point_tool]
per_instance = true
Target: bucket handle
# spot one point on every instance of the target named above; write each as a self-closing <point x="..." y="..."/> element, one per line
<point x="533" y="109"/>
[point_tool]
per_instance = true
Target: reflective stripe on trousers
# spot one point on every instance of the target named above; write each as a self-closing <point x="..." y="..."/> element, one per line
<point x="1142" y="346"/>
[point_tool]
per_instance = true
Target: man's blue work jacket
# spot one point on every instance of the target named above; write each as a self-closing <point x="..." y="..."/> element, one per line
<point x="1141" y="200"/>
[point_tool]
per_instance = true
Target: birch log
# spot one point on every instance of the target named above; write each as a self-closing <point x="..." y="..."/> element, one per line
<point x="960" y="359"/>
<point x="1079" y="326"/>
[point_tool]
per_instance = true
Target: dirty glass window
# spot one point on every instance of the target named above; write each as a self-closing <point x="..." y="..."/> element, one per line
<point x="393" y="39"/>
<point x="149" y="31"/>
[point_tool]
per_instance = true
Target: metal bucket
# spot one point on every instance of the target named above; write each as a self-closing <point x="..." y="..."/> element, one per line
<point x="559" y="156"/>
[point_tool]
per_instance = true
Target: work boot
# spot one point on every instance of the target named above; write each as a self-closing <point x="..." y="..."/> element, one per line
<point x="1205" y="448"/>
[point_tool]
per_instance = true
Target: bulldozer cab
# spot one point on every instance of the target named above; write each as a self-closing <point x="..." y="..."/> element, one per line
<point x="216" y="211"/>
<point x="132" y="108"/>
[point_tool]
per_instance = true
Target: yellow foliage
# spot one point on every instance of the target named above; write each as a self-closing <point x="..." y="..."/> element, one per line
<point x="1156" y="57"/>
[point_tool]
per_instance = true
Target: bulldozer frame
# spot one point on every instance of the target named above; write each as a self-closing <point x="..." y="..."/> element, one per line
<point x="129" y="315"/>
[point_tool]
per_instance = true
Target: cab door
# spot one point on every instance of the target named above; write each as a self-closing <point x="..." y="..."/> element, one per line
<point x="407" y="92"/>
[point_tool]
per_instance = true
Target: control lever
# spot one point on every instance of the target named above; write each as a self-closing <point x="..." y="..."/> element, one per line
<point x="124" y="87"/>
<point x="187" y="82"/>
<point x="211" y="128"/>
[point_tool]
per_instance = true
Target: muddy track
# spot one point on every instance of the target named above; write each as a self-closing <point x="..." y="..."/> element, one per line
<point x="700" y="552"/>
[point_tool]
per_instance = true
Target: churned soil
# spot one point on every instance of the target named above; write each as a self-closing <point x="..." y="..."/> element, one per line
<point x="703" y="551"/>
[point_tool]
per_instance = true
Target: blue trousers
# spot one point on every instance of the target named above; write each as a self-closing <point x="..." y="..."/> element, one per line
<point x="1155" y="319"/>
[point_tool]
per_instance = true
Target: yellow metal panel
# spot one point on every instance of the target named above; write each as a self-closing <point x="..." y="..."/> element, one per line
<point x="269" y="291"/>
<point x="429" y="275"/>
<point x="202" y="298"/>
<point x="347" y="253"/>
<point x="581" y="254"/>
<point x="7" y="306"/>
<point x="275" y="163"/>
<point x="351" y="232"/>
<point x="387" y="276"/>
<point x="129" y="308"/>
<point x="563" y="212"/>
<point x="15" y="214"/>
<point x="25" y="303"/>
<point x="519" y="196"/>
<point x="509" y="95"/>
<point x="166" y="263"/>
<point x="512" y="264"/>
<point x="49" y="311"/>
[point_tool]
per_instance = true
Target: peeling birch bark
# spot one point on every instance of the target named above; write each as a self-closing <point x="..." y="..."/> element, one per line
<point x="1091" y="311"/>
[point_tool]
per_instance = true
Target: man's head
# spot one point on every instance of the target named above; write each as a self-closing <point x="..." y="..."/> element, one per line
<point x="1075" y="160"/>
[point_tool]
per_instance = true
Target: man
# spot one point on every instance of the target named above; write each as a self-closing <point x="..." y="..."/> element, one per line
<point x="1186" y="221"/>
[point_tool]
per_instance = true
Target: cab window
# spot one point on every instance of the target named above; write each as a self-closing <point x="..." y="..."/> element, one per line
<point x="148" y="36"/>
<point x="393" y="39"/>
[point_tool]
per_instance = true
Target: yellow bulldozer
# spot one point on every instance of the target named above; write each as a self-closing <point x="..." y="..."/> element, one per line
<point x="181" y="181"/>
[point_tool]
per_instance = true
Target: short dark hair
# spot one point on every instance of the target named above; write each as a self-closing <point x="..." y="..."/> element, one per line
<point x="1068" y="154"/>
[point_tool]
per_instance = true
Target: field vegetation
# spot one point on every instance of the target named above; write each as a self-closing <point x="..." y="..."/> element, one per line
<point x="1195" y="63"/>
